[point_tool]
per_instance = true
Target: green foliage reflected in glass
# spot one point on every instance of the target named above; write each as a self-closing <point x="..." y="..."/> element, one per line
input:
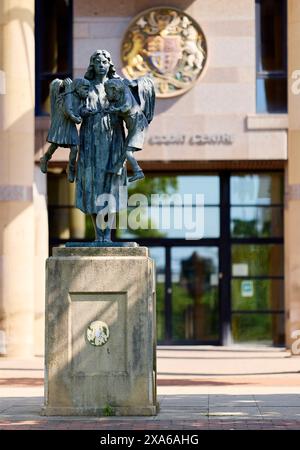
<point x="89" y="228"/>
<point x="256" y="189"/>
<point x="150" y="185"/>
<point x="256" y="221"/>
<point x="194" y="318"/>
<point x="267" y="294"/>
<point x="195" y="294"/>
<point x="154" y="185"/>
<point x="258" y="328"/>
<point x="259" y="259"/>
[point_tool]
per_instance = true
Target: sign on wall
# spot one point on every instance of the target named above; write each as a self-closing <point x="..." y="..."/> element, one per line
<point x="167" y="44"/>
<point x="247" y="288"/>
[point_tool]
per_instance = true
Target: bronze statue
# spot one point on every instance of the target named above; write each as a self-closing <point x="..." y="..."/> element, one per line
<point x="102" y="102"/>
<point x="67" y="99"/>
<point x="124" y="104"/>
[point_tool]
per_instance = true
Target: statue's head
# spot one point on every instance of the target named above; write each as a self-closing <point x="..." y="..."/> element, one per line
<point x="81" y="86"/>
<point x="100" y="64"/>
<point x="114" y="89"/>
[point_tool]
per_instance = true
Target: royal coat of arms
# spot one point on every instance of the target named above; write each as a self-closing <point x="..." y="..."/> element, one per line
<point x="168" y="45"/>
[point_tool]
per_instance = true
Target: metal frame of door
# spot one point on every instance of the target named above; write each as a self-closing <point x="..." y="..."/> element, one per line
<point x="224" y="243"/>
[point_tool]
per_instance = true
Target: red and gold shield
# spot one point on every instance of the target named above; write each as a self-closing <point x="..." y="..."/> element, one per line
<point x="164" y="52"/>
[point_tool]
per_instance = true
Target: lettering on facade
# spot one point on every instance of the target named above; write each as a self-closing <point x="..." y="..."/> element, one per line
<point x="194" y="140"/>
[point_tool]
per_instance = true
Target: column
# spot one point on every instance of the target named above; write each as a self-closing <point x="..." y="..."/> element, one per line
<point x="17" y="226"/>
<point x="292" y="198"/>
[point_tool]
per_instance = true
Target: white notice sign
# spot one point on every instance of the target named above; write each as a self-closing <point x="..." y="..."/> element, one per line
<point x="240" y="270"/>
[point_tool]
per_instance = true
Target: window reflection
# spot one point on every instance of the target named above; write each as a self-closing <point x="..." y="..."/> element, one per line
<point x="256" y="221"/>
<point x="195" y="293"/>
<point x="256" y="189"/>
<point x="271" y="95"/>
<point x="257" y="260"/>
<point x="53" y="31"/>
<point x="169" y="219"/>
<point x="250" y="294"/>
<point x="257" y="269"/>
<point x="65" y="221"/>
<point x="264" y="328"/>
<point x="271" y="29"/>
<point x="175" y="222"/>
<point x="271" y="56"/>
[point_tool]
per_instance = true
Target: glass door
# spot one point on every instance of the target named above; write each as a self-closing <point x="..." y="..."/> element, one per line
<point x="187" y="294"/>
<point x="195" y="294"/>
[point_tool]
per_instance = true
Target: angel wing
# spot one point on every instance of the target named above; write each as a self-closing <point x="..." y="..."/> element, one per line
<point x="56" y="99"/>
<point x="143" y="91"/>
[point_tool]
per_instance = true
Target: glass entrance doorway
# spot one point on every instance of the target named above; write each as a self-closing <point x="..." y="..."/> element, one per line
<point x="225" y="287"/>
<point x="187" y="294"/>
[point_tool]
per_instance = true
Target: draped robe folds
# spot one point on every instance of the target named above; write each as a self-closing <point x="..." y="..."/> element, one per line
<point x="100" y="134"/>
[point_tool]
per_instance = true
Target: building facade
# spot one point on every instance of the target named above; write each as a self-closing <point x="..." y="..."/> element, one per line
<point x="232" y="136"/>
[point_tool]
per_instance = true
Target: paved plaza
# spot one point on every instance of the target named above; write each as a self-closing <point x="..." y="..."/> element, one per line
<point x="199" y="388"/>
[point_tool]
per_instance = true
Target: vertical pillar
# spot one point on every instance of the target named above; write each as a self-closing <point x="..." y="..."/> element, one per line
<point x="292" y="200"/>
<point x="16" y="178"/>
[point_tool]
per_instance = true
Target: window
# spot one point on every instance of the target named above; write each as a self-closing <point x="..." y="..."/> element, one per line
<point x="157" y="215"/>
<point x="65" y="221"/>
<point x="257" y="269"/>
<point x="271" y="56"/>
<point x="256" y="205"/>
<point x="53" y="57"/>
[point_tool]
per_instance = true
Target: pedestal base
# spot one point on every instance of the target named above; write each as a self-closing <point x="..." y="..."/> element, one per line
<point x="101" y="244"/>
<point x="100" y="332"/>
<point x="98" y="412"/>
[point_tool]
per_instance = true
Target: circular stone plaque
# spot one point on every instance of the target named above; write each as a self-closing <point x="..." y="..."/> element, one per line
<point x="168" y="45"/>
<point x="97" y="333"/>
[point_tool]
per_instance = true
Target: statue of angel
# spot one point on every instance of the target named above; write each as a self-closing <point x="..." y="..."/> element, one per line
<point x="102" y="102"/>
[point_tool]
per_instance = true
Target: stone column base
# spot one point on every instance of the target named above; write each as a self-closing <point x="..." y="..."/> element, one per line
<point x="100" y="333"/>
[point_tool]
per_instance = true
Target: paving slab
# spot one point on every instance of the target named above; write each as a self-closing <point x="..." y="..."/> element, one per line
<point x="280" y="412"/>
<point x="198" y="387"/>
<point x="231" y="400"/>
<point x="184" y="400"/>
<point x="233" y="412"/>
<point x="277" y="400"/>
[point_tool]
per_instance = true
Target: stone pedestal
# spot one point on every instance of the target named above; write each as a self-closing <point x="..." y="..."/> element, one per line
<point x="100" y="332"/>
